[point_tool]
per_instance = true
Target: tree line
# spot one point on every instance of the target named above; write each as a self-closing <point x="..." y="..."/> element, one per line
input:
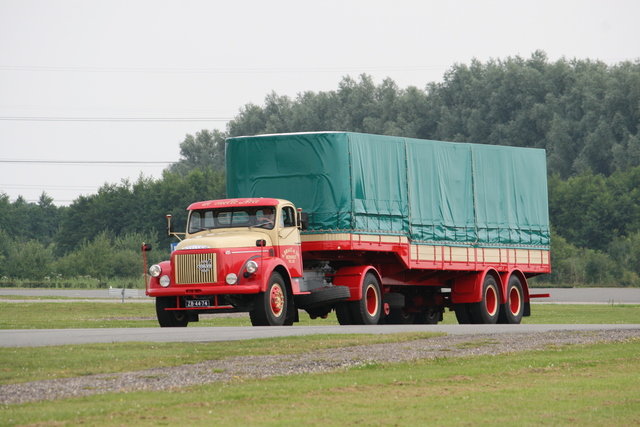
<point x="586" y="114"/>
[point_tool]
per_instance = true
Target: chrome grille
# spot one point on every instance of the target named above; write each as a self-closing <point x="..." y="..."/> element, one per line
<point x="195" y="268"/>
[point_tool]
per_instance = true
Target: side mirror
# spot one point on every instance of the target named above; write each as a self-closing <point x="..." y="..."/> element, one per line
<point x="261" y="243"/>
<point x="170" y="229"/>
<point x="303" y="219"/>
<point x="146" y="247"/>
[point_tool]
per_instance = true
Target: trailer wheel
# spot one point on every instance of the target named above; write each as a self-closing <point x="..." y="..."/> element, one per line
<point x="170" y="319"/>
<point x="271" y="306"/>
<point x="512" y="311"/>
<point x="398" y="316"/>
<point x="431" y="317"/>
<point x="487" y="310"/>
<point x="368" y="309"/>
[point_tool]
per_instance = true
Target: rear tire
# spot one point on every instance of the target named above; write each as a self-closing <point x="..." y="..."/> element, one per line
<point x="343" y="313"/>
<point x="463" y="314"/>
<point x="487" y="310"/>
<point x="398" y="316"/>
<point x="170" y="319"/>
<point x="513" y="309"/>
<point x="368" y="309"/>
<point x="272" y="306"/>
<point x="432" y="315"/>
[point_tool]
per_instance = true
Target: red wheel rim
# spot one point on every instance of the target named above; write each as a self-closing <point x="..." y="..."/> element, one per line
<point x="514" y="301"/>
<point x="491" y="300"/>
<point x="277" y="300"/>
<point x="371" y="298"/>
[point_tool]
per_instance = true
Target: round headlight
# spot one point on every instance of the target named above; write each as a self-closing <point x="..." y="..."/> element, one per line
<point x="155" y="270"/>
<point x="165" y="281"/>
<point x="252" y="267"/>
<point x="232" y="279"/>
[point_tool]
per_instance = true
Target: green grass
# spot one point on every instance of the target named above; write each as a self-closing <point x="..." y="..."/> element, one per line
<point x="79" y="314"/>
<point x="22" y="364"/>
<point x="568" y="385"/>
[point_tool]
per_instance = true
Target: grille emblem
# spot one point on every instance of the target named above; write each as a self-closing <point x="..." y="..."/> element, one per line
<point x="205" y="265"/>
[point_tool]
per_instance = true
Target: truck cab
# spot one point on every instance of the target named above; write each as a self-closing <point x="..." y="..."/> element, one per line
<point x="237" y="255"/>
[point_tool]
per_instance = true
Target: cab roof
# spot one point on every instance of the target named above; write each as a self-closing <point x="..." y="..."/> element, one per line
<point x="213" y="204"/>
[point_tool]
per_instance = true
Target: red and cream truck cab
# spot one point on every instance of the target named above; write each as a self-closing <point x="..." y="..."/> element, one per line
<point x="238" y="255"/>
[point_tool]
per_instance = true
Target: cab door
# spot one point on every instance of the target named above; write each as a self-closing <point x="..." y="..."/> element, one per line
<point x="289" y="244"/>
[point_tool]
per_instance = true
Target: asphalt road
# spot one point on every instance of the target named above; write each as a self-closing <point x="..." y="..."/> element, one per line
<point x="558" y="295"/>
<point x="45" y="337"/>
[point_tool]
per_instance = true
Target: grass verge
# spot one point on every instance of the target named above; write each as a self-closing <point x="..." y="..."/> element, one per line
<point x="569" y="385"/>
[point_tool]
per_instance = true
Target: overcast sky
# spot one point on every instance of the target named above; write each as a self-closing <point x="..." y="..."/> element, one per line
<point x="63" y="61"/>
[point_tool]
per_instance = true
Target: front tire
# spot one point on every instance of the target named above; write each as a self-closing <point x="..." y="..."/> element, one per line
<point x="170" y="319"/>
<point x="272" y="306"/>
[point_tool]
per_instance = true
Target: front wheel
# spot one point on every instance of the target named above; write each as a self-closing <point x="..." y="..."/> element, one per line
<point x="170" y="318"/>
<point x="271" y="307"/>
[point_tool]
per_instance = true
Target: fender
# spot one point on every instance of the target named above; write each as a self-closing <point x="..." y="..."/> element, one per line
<point x="525" y="289"/>
<point x="468" y="288"/>
<point x="267" y="266"/>
<point x="154" y="282"/>
<point x="353" y="277"/>
<point x="504" y="277"/>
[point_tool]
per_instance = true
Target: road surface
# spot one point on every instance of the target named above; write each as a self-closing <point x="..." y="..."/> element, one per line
<point x="44" y="337"/>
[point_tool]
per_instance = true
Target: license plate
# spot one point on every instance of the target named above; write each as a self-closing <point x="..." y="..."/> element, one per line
<point x="193" y="303"/>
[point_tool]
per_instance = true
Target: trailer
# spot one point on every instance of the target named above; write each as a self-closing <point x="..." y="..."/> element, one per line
<point x="379" y="229"/>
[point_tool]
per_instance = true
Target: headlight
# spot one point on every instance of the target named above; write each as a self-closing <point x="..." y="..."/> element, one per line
<point x="165" y="281"/>
<point x="232" y="279"/>
<point x="155" y="270"/>
<point x="251" y="267"/>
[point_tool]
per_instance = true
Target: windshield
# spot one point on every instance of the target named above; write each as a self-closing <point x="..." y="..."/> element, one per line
<point x="211" y="219"/>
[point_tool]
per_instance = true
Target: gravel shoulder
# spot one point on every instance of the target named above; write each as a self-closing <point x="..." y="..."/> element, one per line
<point x="256" y="367"/>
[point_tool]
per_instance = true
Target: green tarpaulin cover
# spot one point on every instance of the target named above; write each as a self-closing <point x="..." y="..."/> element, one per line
<point x="432" y="192"/>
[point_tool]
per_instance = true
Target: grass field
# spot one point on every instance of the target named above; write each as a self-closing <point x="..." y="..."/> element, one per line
<point x="588" y="385"/>
<point x="67" y="313"/>
<point x="595" y="385"/>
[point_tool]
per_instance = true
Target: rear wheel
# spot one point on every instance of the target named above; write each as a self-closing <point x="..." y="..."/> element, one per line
<point x="171" y="318"/>
<point x="486" y="311"/>
<point x="343" y="313"/>
<point x="398" y="316"/>
<point x="432" y="315"/>
<point x="513" y="309"/>
<point x="368" y="309"/>
<point x="463" y="314"/>
<point x="271" y="307"/>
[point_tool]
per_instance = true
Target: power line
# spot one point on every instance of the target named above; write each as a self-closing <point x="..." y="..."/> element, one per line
<point x="248" y="70"/>
<point x="46" y="187"/>
<point x="87" y="162"/>
<point x="117" y="119"/>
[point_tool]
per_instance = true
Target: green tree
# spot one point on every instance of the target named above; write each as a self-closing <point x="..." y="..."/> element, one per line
<point x="203" y="151"/>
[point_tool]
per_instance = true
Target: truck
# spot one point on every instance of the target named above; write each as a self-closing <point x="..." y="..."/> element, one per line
<point x="379" y="229"/>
